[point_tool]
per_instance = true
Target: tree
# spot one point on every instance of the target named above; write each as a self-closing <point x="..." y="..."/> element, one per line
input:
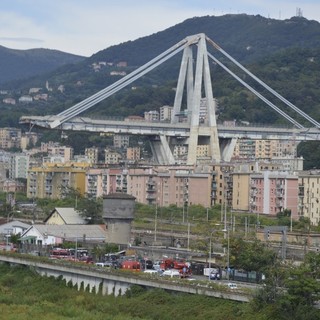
<point x="284" y="217"/>
<point x="91" y="209"/>
<point x="243" y="255"/>
<point x="292" y="290"/>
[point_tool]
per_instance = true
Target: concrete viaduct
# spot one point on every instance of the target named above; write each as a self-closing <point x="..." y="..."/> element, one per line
<point x="113" y="282"/>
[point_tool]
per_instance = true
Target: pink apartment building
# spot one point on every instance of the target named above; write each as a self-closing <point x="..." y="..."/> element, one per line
<point x="273" y="192"/>
<point x="169" y="185"/>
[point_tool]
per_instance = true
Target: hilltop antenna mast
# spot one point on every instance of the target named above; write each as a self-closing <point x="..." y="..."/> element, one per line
<point x="299" y="13"/>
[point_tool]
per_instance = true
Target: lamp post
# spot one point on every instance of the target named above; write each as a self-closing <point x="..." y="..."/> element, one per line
<point x="226" y="231"/>
<point x="210" y="252"/>
<point x="76" y="251"/>
<point x="155" y="224"/>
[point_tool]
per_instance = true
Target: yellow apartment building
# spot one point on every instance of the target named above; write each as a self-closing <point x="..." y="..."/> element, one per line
<point x="52" y="180"/>
<point x="241" y="191"/>
<point x="309" y="195"/>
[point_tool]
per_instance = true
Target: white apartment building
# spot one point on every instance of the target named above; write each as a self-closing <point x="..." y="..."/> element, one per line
<point x="166" y="113"/>
<point x="121" y="141"/>
<point x="19" y="165"/>
<point x="152" y="116"/>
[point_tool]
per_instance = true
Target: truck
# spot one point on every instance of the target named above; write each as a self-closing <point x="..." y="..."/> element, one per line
<point x="182" y="266"/>
<point x="131" y="265"/>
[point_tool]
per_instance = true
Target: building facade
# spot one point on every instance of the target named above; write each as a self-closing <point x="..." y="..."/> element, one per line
<point x="273" y="192"/>
<point x="309" y="196"/>
<point x="10" y="138"/>
<point x="54" y="180"/>
<point x="92" y="154"/>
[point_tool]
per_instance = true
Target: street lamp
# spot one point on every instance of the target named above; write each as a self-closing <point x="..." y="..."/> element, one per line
<point x="226" y="231"/>
<point x="210" y="250"/>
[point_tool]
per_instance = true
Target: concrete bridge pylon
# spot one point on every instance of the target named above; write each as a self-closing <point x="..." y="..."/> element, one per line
<point x="199" y="111"/>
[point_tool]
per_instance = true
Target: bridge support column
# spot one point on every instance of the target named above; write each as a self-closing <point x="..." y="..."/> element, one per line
<point x="166" y="149"/>
<point x="228" y="149"/>
<point x="161" y="150"/>
<point x="193" y="144"/>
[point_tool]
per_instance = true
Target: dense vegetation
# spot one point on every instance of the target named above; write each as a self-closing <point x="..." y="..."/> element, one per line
<point x="26" y="295"/>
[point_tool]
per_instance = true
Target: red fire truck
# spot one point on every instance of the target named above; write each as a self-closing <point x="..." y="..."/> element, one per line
<point x="131" y="265"/>
<point x="182" y="266"/>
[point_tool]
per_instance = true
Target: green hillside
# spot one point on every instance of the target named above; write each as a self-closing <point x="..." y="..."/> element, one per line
<point x="22" y="64"/>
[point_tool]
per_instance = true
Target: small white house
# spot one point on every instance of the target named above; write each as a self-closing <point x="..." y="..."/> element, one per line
<point x="13" y="227"/>
<point x="44" y="234"/>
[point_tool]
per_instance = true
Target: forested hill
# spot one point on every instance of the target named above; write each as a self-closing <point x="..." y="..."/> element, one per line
<point x="246" y="37"/>
<point x="21" y="64"/>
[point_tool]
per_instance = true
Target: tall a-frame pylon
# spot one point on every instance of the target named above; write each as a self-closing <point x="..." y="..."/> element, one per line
<point x="203" y="131"/>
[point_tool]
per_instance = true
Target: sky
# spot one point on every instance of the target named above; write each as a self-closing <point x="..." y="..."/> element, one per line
<point x="84" y="27"/>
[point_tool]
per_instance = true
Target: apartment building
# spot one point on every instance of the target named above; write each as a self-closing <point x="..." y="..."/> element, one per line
<point x="165" y="185"/>
<point x="241" y="181"/>
<point x="18" y="166"/>
<point x="180" y="152"/>
<point x="166" y="113"/>
<point x="133" y="153"/>
<point x="264" y="149"/>
<point x="309" y="196"/>
<point x="111" y="157"/>
<point x="141" y="184"/>
<point x="152" y="116"/>
<point x="52" y="180"/>
<point x="29" y="139"/>
<point x="97" y="182"/>
<point x="92" y="154"/>
<point x="241" y="191"/>
<point x="46" y="145"/>
<point x="10" y="138"/>
<point x="121" y="141"/>
<point x="65" y="152"/>
<point x="273" y="192"/>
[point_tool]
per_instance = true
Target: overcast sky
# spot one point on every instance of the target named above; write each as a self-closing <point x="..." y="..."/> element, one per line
<point x="85" y="27"/>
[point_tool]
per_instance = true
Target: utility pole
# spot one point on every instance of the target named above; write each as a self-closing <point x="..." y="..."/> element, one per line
<point x="188" y="235"/>
<point x="155" y="224"/>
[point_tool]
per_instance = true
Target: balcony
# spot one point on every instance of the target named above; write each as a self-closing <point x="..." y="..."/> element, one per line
<point x="151" y="197"/>
<point x="279" y="204"/>
<point x="151" y="183"/>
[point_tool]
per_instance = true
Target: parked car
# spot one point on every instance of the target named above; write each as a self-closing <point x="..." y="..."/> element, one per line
<point x="153" y="272"/>
<point x="104" y="264"/>
<point x="232" y="285"/>
<point x="171" y="273"/>
<point x="215" y="276"/>
<point x="146" y="264"/>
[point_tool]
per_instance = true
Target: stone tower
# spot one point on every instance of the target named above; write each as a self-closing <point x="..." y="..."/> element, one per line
<point x="118" y="213"/>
